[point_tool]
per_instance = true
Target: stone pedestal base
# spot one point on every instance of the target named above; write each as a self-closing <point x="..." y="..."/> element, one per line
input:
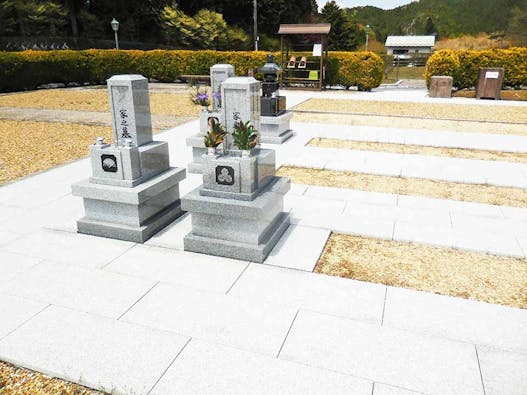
<point x="276" y="130"/>
<point x="441" y="86"/>
<point x="131" y="214"/>
<point x="246" y="230"/>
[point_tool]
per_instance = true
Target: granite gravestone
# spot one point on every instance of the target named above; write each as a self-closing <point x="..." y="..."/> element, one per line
<point x="133" y="192"/>
<point x="218" y="74"/>
<point x="238" y="210"/>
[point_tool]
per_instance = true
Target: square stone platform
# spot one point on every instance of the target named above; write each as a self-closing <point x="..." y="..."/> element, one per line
<point x="131" y="214"/>
<point x="249" y="229"/>
<point x="276" y="130"/>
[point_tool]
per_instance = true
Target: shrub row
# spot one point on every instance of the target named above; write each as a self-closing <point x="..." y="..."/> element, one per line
<point x="29" y="69"/>
<point x="464" y="65"/>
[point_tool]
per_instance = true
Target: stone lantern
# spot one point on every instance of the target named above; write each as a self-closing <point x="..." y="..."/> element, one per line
<point x="272" y="103"/>
<point x="275" y="120"/>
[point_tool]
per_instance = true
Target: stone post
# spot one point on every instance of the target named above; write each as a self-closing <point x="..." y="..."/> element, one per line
<point x="218" y="74"/>
<point x="130" y="108"/>
<point x="241" y="102"/>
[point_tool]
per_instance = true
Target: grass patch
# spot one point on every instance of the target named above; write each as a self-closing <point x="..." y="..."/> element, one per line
<point x="405" y="73"/>
<point x="28" y="147"/>
<point x="19" y="381"/>
<point x="419" y="149"/>
<point x="174" y="104"/>
<point x="446" y="271"/>
<point x="502" y="196"/>
<point x="417" y="110"/>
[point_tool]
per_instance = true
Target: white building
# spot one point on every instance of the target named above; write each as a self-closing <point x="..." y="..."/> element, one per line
<point x="406" y="46"/>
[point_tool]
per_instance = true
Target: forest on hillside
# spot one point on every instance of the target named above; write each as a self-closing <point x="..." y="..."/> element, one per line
<point x="446" y="18"/>
<point x="228" y="24"/>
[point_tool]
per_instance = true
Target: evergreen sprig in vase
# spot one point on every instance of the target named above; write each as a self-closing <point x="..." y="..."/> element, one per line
<point x="245" y="137"/>
<point x="214" y="137"/>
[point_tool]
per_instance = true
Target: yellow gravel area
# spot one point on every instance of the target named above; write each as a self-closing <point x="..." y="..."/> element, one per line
<point x="19" y="381"/>
<point x="175" y="104"/>
<point x="488" y="194"/>
<point x="27" y="147"/>
<point x="505" y="95"/>
<point x="412" y="123"/>
<point x="421" y="110"/>
<point x="446" y="271"/>
<point x="418" y="149"/>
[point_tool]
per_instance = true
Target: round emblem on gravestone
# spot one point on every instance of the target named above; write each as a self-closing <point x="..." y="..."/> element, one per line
<point x="224" y="175"/>
<point x="109" y="163"/>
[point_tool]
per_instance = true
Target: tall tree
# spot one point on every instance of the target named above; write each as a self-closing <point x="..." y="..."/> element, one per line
<point x="345" y="34"/>
<point x="429" y="28"/>
<point x="518" y="24"/>
<point x="32" y="18"/>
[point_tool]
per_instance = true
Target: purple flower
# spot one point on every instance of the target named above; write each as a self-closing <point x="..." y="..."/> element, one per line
<point x="216" y="95"/>
<point x="202" y="96"/>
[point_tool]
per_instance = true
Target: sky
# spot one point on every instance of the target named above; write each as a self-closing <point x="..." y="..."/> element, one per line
<point x="386" y="4"/>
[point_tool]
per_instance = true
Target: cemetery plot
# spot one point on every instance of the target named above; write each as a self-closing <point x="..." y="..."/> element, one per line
<point x="507" y="114"/>
<point x="419" y="149"/>
<point x="28" y="147"/>
<point x="15" y="380"/>
<point x="503" y="196"/>
<point x="175" y="104"/>
<point x="444" y="271"/>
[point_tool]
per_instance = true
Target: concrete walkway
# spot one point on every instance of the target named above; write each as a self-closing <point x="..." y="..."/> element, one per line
<point x="153" y="319"/>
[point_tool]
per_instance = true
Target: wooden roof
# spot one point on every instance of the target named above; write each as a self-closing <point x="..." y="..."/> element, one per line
<point x="305" y="28"/>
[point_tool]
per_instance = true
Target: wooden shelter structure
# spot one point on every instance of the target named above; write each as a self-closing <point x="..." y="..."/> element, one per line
<point x="304" y="62"/>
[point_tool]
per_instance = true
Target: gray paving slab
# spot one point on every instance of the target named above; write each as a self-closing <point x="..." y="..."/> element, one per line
<point x="71" y="248"/>
<point x="172" y="236"/>
<point x="456" y="318"/>
<point x="98" y="352"/>
<point x="61" y="214"/>
<point x="254" y="326"/>
<point x="94" y="291"/>
<point x="383" y="389"/>
<point x="181" y="268"/>
<point x="299" y="248"/>
<point x="347" y="224"/>
<point x="352" y="195"/>
<point x="13" y="264"/>
<point x="16" y="311"/>
<point x="7" y="237"/>
<point x="400" y="358"/>
<point x="317" y="292"/>
<point x="204" y="368"/>
<point x="503" y="373"/>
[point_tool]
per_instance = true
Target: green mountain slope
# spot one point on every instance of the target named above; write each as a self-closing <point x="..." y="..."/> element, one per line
<point x="448" y="18"/>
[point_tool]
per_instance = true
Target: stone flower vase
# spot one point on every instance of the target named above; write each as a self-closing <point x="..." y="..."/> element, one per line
<point x="246" y="153"/>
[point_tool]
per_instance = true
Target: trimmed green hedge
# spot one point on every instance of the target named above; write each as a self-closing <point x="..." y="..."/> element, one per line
<point x="464" y="66"/>
<point x="29" y="69"/>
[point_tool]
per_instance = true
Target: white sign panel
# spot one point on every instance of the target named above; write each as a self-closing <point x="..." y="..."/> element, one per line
<point x="317" y="49"/>
<point x="492" y="74"/>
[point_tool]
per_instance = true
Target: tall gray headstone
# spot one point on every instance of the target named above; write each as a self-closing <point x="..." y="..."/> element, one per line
<point x="218" y="74"/>
<point x="130" y="107"/>
<point x="241" y="101"/>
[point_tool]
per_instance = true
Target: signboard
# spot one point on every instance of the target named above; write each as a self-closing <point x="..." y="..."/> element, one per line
<point x="492" y="74"/>
<point x="317" y="49"/>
